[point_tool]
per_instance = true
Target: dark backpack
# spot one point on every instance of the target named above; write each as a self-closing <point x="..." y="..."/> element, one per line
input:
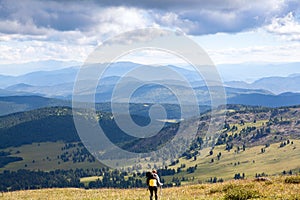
<point x="151" y="179"/>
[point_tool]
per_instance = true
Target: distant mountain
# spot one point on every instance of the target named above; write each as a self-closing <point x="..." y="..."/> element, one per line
<point x="29" y="67"/>
<point x="276" y="85"/>
<point x="41" y="78"/>
<point x="250" y="72"/>
<point x="62" y="90"/>
<point x="12" y="104"/>
<point x="247" y="72"/>
<point x="279" y="84"/>
<point x="153" y="93"/>
<point x="19" y="87"/>
<point x="150" y="94"/>
<point x="284" y="99"/>
<point x="59" y="84"/>
<point x="4" y="93"/>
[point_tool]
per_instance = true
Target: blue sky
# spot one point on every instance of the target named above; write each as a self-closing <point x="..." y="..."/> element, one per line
<point x="231" y="31"/>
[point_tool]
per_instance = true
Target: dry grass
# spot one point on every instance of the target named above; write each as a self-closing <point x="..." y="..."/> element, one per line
<point x="246" y="189"/>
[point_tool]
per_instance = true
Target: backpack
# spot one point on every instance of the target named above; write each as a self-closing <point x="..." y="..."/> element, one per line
<point x="151" y="179"/>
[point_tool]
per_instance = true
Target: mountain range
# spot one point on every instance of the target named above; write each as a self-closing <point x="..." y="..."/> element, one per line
<point x="58" y="85"/>
<point x="276" y="85"/>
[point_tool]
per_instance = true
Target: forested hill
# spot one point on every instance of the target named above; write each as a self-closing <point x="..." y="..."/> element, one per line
<point x="41" y="125"/>
<point x="53" y="124"/>
<point x="244" y="124"/>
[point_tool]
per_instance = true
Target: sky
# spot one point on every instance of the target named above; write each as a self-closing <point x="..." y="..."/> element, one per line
<point x="230" y="31"/>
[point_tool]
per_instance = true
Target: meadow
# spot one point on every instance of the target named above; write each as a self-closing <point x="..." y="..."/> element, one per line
<point x="251" y="162"/>
<point x="277" y="187"/>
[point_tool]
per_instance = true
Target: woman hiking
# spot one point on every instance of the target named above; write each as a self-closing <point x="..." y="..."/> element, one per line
<point x="153" y="182"/>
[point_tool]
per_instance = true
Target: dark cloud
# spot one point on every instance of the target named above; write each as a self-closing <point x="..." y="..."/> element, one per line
<point x="209" y="21"/>
<point x="172" y="5"/>
<point x="151" y="4"/>
<point x="212" y="16"/>
<point x="192" y="16"/>
<point x="56" y="15"/>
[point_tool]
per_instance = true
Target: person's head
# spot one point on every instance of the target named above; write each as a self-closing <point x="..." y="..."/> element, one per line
<point x="148" y="174"/>
<point x="154" y="171"/>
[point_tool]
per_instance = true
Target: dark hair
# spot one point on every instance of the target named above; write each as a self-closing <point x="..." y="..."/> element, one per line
<point x="148" y="174"/>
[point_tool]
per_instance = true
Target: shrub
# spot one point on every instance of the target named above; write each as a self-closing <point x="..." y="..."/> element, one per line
<point x="228" y="187"/>
<point x="292" y="179"/>
<point x="240" y="193"/>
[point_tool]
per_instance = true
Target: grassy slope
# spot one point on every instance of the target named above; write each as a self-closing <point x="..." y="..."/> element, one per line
<point x="45" y="158"/>
<point x="273" y="161"/>
<point x="275" y="189"/>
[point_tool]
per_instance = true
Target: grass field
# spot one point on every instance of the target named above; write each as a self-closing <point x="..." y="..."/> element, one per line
<point x="251" y="161"/>
<point x="44" y="156"/>
<point x="276" y="188"/>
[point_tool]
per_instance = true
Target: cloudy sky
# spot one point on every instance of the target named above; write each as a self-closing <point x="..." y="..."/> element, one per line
<point x="231" y="31"/>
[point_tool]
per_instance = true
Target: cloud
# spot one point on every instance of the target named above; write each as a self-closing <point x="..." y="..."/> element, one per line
<point x="62" y="29"/>
<point x="269" y="54"/>
<point x="27" y="51"/>
<point x="287" y="27"/>
<point x="176" y="5"/>
<point x="199" y="17"/>
<point x="228" y="16"/>
<point x="115" y="20"/>
<point x="61" y="16"/>
<point x="195" y="17"/>
<point x="27" y="28"/>
<point x="68" y="21"/>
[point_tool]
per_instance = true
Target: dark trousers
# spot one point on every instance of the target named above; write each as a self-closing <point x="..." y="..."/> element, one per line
<point x="153" y="189"/>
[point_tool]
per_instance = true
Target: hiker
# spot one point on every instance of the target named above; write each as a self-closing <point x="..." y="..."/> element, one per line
<point x="153" y="182"/>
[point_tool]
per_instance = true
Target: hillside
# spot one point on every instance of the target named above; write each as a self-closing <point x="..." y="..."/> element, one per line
<point x="254" y="141"/>
<point x="276" y="188"/>
<point x="41" y="125"/>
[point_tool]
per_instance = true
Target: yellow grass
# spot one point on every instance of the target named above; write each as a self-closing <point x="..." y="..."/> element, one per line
<point x="274" y="189"/>
<point x="89" y="179"/>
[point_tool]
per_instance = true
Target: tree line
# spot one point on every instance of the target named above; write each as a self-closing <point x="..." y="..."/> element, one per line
<point x="25" y="179"/>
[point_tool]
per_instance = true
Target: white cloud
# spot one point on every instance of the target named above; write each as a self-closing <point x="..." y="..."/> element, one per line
<point x="209" y="17"/>
<point x="254" y="54"/>
<point x="173" y="21"/>
<point x="115" y="20"/>
<point x="193" y="16"/>
<point x="286" y="27"/>
<point x="27" y="51"/>
<point x="26" y="42"/>
<point x="69" y="30"/>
